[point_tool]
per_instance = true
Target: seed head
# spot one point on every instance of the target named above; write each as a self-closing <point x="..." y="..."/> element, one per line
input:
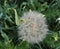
<point x="33" y="28"/>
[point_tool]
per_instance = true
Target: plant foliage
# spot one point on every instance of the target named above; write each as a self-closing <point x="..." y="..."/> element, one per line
<point x="12" y="10"/>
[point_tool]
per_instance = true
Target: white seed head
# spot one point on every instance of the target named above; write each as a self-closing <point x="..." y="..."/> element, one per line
<point x="33" y="28"/>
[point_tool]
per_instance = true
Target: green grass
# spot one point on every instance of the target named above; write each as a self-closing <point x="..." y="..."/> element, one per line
<point x="12" y="10"/>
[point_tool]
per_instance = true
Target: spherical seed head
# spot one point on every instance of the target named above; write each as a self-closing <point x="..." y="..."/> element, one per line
<point x="33" y="28"/>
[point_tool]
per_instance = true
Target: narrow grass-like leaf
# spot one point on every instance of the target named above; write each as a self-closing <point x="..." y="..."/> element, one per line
<point x="23" y="45"/>
<point x="4" y="36"/>
<point x="17" y="20"/>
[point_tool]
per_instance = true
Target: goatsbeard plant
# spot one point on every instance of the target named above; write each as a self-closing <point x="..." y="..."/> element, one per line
<point x="33" y="28"/>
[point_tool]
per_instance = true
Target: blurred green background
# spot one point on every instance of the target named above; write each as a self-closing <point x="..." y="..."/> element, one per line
<point x="12" y="10"/>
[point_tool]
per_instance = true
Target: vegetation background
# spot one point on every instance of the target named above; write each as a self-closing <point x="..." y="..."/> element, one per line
<point x="12" y="10"/>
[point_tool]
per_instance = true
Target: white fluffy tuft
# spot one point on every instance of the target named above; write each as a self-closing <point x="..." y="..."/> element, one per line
<point x="33" y="28"/>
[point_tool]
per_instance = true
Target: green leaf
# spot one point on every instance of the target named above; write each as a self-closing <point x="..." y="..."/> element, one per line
<point x="4" y="36"/>
<point x="17" y="20"/>
<point x="58" y="47"/>
<point x="23" y="45"/>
